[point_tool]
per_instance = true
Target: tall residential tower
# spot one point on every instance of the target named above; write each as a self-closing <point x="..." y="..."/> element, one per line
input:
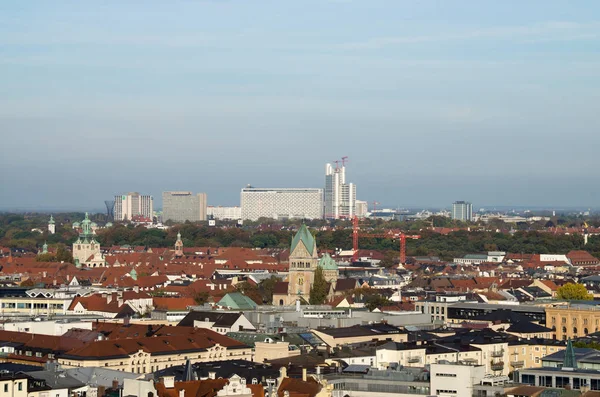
<point x="133" y="204"/>
<point x="462" y="211"/>
<point x="184" y="206"/>
<point x="340" y="197"/>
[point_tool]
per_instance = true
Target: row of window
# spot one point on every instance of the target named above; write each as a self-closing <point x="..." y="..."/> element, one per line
<point x="573" y="321"/>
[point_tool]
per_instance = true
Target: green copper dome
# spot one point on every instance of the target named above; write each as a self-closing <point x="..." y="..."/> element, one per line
<point x="327" y="263"/>
<point x="307" y="239"/>
<point x="51" y="220"/>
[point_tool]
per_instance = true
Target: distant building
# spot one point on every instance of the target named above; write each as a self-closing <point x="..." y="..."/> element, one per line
<point x="224" y="213"/>
<point x="51" y="225"/>
<point x="131" y="204"/>
<point x="362" y="207"/>
<point x="462" y="211"/>
<point x="281" y="203"/>
<point x="340" y="197"/>
<point x="184" y="206"/>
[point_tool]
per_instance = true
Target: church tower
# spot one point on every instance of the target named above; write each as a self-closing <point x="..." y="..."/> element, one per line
<point x="303" y="263"/>
<point x="179" y="246"/>
<point x="51" y="225"/>
<point x="86" y="250"/>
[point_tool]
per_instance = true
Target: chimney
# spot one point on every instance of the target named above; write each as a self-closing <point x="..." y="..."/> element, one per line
<point x="115" y="384"/>
<point x="212" y="375"/>
<point x="169" y="382"/>
<point x="304" y="374"/>
<point x="182" y="393"/>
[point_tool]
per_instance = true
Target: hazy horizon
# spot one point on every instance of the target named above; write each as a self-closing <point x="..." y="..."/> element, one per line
<point x="432" y="101"/>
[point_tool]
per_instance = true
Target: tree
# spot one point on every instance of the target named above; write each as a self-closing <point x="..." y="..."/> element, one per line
<point x="320" y="288"/>
<point x="251" y="291"/>
<point x="572" y="291"/>
<point x="374" y="301"/>
<point x="201" y="297"/>
<point x="47" y="257"/>
<point x="267" y="287"/>
<point x="63" y="255"/>
<point x="27" y="283"/>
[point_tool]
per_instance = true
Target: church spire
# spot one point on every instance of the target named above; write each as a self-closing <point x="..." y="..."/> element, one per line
<point x="569" y="361"/>
<point x="45" y="248"/>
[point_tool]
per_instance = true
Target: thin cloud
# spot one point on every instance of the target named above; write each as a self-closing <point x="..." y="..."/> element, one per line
<point x="549" y="31"/>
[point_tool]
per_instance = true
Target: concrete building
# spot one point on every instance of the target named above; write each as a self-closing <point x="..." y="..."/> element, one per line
<point x="133" y="204"/>
<point x="224" y="213"/>
<point x="281" y="203"/>
<point x="340" y="197"/>
<point x="184" y="206"/>
<point x="462" y="211"/>
<point x="362" y="208"/>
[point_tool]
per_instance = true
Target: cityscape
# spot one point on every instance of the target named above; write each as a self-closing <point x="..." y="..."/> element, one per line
<point x="317" y="198"/>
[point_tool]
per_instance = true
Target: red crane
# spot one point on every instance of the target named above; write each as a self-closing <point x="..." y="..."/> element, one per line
<point x="402" y="237"/>
<point x="375" y="204"/>
<point x="337" y="164"/>
<point x="344" y="161"/>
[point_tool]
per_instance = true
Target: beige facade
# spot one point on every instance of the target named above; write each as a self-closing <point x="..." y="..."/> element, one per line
<point x="529" y="355"/>
<point x="271" y="351"/>
<point x="569" y="322"/>
<point x="143" y="362"/>
<point x="13" y="387"/>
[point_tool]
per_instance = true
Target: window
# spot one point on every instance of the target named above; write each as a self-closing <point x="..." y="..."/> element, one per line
<point x="447" y="375"/>
<point x="6" y="388"/>
<point x="553" y="320"/>
<point x="20" y="386"/>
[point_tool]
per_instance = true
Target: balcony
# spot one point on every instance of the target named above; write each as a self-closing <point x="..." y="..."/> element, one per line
<point x="413" y="360"/>
<point x="497" y="366"/>
<point x="517" y="364"/>
<point x="497" y="353"/>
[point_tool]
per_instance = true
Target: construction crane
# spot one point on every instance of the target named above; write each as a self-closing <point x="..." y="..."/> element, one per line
<point x="344" y="161"/>
<point x="337" y="164"/>
<point x="375" y="204"/>
<point x="356" y="234"/>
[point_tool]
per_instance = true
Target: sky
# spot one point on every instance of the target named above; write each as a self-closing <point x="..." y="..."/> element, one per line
<point x="493" y="102"/>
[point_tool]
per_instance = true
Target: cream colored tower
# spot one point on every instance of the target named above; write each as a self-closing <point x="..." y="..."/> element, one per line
<point x="303" y="263"/>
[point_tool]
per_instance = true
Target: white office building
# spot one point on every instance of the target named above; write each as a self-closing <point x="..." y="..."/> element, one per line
<point x="224" y="213"/>
<point x="184" y="206"/>
<point x="133" y="204"/>
<point x="281" y="203"/>
<point x="462" y="211"/>
<point x="340" y="197"/>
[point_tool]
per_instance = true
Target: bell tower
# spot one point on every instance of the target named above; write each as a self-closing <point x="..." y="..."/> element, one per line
<point x="51" y="225"/>
<point x="179" y="246"/>
<point x="303" y="263"/>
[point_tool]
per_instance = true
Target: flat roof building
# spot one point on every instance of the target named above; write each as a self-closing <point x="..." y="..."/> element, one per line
<point x="281" y="203"/>
<point x="184" y="206"/>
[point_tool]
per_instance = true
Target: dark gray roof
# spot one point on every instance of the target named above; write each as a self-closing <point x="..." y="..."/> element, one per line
<point x="363" y="330"/>
<point x="56" y="380"/>
<point x="220" y="319"/>
<point x="527" y="327"/>
<point x="581" y="355"/>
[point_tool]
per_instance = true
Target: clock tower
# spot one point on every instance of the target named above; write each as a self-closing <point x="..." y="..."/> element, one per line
<point x="303" y="263"/>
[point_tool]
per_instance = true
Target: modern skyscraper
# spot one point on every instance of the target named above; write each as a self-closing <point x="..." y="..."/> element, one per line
<point x="281" y="203"/>
<point x="462" y="211"/>
<point x="133" y="204"/>
<point x="340" y="197"/>
<point x="184" y="206"/>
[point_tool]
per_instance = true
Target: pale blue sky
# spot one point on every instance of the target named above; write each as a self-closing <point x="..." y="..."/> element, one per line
<point x="495" y="102"/>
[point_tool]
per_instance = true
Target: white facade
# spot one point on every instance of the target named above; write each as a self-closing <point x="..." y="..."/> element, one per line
<point x="242" y="323"/>
<point x="281" y="203"/>
<point x="54" y="328"/>
<point x="453" y="380"/>
<point x="133" y="204"/>
<point x="340" y="197"/>
<point x="462" y="211"/>
<point x="224" y="213"/>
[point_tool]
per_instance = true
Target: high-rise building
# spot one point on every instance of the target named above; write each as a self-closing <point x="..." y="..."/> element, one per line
<point x="362" y="208"/>
<point x="133" y="204"/>
<point x="184" y="206"/>
<point x="224" y="213"/>
<point x="340" y="197"/>
<point x="286" y="203"/>
<point x="462" y="211"/>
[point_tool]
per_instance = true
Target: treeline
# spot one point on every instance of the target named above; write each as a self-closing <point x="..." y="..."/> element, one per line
<point x="16" y="232"/>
